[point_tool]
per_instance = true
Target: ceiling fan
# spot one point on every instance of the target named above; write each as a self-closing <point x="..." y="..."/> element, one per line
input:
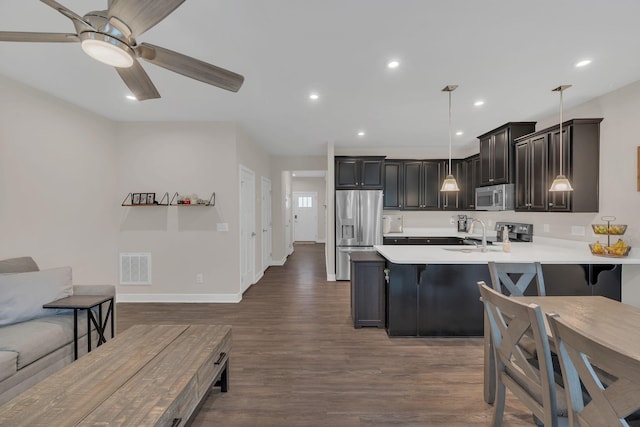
<point x="109" y="36"/>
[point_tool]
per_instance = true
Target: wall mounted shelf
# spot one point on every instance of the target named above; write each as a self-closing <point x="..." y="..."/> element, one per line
<point x="201" y="202"/>
<point x="135" y="199"/>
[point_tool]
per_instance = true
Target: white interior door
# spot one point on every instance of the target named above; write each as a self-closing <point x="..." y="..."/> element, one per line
<point x="247" y="227"/>
<point x="305" y="217"/>
<point x="266" y="223"/>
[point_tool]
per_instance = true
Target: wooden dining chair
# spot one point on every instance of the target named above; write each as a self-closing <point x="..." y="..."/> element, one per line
<point x="503" y="275"/>
<point x="583" y="358"/>
<point x="530" y="379"/>
<point x="509" y="279"/>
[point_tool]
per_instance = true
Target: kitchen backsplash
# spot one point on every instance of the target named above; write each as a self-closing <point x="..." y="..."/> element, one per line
<point x="569" y="226"/>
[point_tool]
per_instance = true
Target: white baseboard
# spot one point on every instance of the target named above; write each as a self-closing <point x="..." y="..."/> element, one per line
<point x="207" y="298"/>
<point x="258" y="277"/>
<point x="290" y="250"/>
<point x="278" y="263"/>
<point x="331" y="277"/>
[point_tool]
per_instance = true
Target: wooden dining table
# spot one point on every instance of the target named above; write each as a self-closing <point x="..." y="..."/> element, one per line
<point x="614" y="323"/>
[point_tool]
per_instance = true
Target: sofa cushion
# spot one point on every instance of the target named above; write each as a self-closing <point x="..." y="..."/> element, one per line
<point x="8" y="364"/>
<point x="23" y="294"/>
<point x="35" y="339"/>
<point x="18" y="265"/>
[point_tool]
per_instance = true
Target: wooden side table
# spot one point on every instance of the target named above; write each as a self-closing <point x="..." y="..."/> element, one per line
<point x="87" y="302"/>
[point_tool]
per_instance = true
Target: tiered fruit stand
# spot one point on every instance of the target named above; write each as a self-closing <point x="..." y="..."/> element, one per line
<point x="618" y="249"/>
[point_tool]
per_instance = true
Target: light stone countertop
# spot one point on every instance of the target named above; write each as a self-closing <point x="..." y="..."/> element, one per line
<point x="542" y="249"/>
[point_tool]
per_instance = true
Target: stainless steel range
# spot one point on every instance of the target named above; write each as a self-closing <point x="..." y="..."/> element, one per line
<point x="518" y="232"/>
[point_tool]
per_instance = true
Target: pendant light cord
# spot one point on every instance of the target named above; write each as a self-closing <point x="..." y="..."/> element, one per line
<point x="449" y="132"/>
<point x="561" y="148"/>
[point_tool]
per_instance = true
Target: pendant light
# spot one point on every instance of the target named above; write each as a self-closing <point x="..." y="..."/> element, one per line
<point x="561" y="183"/>
<point x="450" y="183"/>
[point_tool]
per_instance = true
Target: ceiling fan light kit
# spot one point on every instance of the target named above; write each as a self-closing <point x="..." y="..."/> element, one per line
<point x="107" y="49"/>
<point x="109" y="37"/>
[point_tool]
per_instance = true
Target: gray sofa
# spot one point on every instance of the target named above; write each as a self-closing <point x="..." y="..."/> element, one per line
<point x="40" y="341"/>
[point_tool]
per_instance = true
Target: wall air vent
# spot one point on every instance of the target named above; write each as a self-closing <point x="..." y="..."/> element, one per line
<point x="135" y="268"/>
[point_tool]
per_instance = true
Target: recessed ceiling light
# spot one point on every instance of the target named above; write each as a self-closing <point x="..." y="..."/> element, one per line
<point x="131" y="97"/>
<point x="393" y="64"/>
<point x="361" y="133"/>
<point x="478" y="103"/>
<point x="459" y="133"/>
<point x="583" y="63"/>
<point x="314" y="96"/>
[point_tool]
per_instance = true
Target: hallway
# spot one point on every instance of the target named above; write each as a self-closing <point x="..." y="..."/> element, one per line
<point x="298" y="361"/>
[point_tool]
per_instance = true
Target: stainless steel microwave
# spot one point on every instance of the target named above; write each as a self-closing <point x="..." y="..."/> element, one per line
<point x="495" y="198"/>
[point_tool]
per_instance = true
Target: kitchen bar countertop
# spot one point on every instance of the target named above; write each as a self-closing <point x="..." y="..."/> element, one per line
<point x="542" y="249"/>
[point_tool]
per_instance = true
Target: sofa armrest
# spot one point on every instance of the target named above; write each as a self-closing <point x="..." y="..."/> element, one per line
<point x="94" y="290"/>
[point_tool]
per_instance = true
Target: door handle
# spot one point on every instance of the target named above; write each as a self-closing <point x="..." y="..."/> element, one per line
<point x="253" y="234"/>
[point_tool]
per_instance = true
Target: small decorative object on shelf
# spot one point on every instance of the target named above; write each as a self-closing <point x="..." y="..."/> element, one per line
<point x="192" y="200"/>
<point x="618" y="249"/>
<point x="145" y="199"/>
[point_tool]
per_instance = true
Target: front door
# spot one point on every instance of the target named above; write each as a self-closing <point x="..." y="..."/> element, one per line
<point x="305" y="217"/>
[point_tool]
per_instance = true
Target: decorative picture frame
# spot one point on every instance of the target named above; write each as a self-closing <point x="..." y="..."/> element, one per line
<point x="135" y="199"/>
<point x="151" y="198"/>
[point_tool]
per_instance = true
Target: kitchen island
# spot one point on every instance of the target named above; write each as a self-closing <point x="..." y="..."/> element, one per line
<point x="432" y="290"/>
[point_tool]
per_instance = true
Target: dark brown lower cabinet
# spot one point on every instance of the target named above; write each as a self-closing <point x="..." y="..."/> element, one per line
<point x="443" y="299"/>
<point x="367" y="289"/>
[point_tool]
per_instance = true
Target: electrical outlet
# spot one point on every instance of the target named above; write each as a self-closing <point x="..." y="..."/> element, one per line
<point x="199" y="278"/>
<point x="577" y="230"/>
<point x="545" y="227"/>
<point x="222" y="226"/>
<point x="452" y="220"/>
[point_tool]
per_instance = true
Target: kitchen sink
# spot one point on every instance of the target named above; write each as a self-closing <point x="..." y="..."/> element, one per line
<point x="470" y="249"/>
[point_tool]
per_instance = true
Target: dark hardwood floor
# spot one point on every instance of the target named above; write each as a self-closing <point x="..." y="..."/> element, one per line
<point x="298" y="361"/>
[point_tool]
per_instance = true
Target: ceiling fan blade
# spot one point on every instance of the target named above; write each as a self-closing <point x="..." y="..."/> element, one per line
<point x="190" y="67"/>
<point x="78" y="21"/>
<point x="140" y="15"/>
<point x="12" y="36"/>
<point x="138" y="81"/>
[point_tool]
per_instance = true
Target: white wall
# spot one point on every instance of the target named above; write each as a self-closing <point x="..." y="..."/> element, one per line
<point x="64" y="173"/>
<point x="255" y="158"/>
<point x="186" y="158"/>
<point x="319" y="186"/>
<point x="57" y="184"/>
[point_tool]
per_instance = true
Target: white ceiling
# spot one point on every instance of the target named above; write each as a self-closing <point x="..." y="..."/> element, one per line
<point x="510" y="53"/>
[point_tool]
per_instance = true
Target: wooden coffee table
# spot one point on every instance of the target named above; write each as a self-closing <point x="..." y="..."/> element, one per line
<point x="150" y="375"/>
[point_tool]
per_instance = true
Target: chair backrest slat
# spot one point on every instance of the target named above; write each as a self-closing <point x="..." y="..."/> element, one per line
<point x="583" y="357"/>
<point x="510" y="321"/>
<point x="502" y="276"/>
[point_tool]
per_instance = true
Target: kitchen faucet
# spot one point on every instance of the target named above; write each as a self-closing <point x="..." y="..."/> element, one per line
<point x="483" y="248"/>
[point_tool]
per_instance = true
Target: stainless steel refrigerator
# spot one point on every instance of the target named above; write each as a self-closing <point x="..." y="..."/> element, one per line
<point x="358" y="226"/>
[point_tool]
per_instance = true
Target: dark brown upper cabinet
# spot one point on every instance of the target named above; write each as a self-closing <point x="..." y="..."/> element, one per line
<point x="422" y="184"/>
<point x="359" y="173"/>
<point x="580" y="164"/>
<point x="531" y="172"/>
<point x="393" y="184"/>
<point x="496" y="152"/>
<point x="470" y="180"/>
